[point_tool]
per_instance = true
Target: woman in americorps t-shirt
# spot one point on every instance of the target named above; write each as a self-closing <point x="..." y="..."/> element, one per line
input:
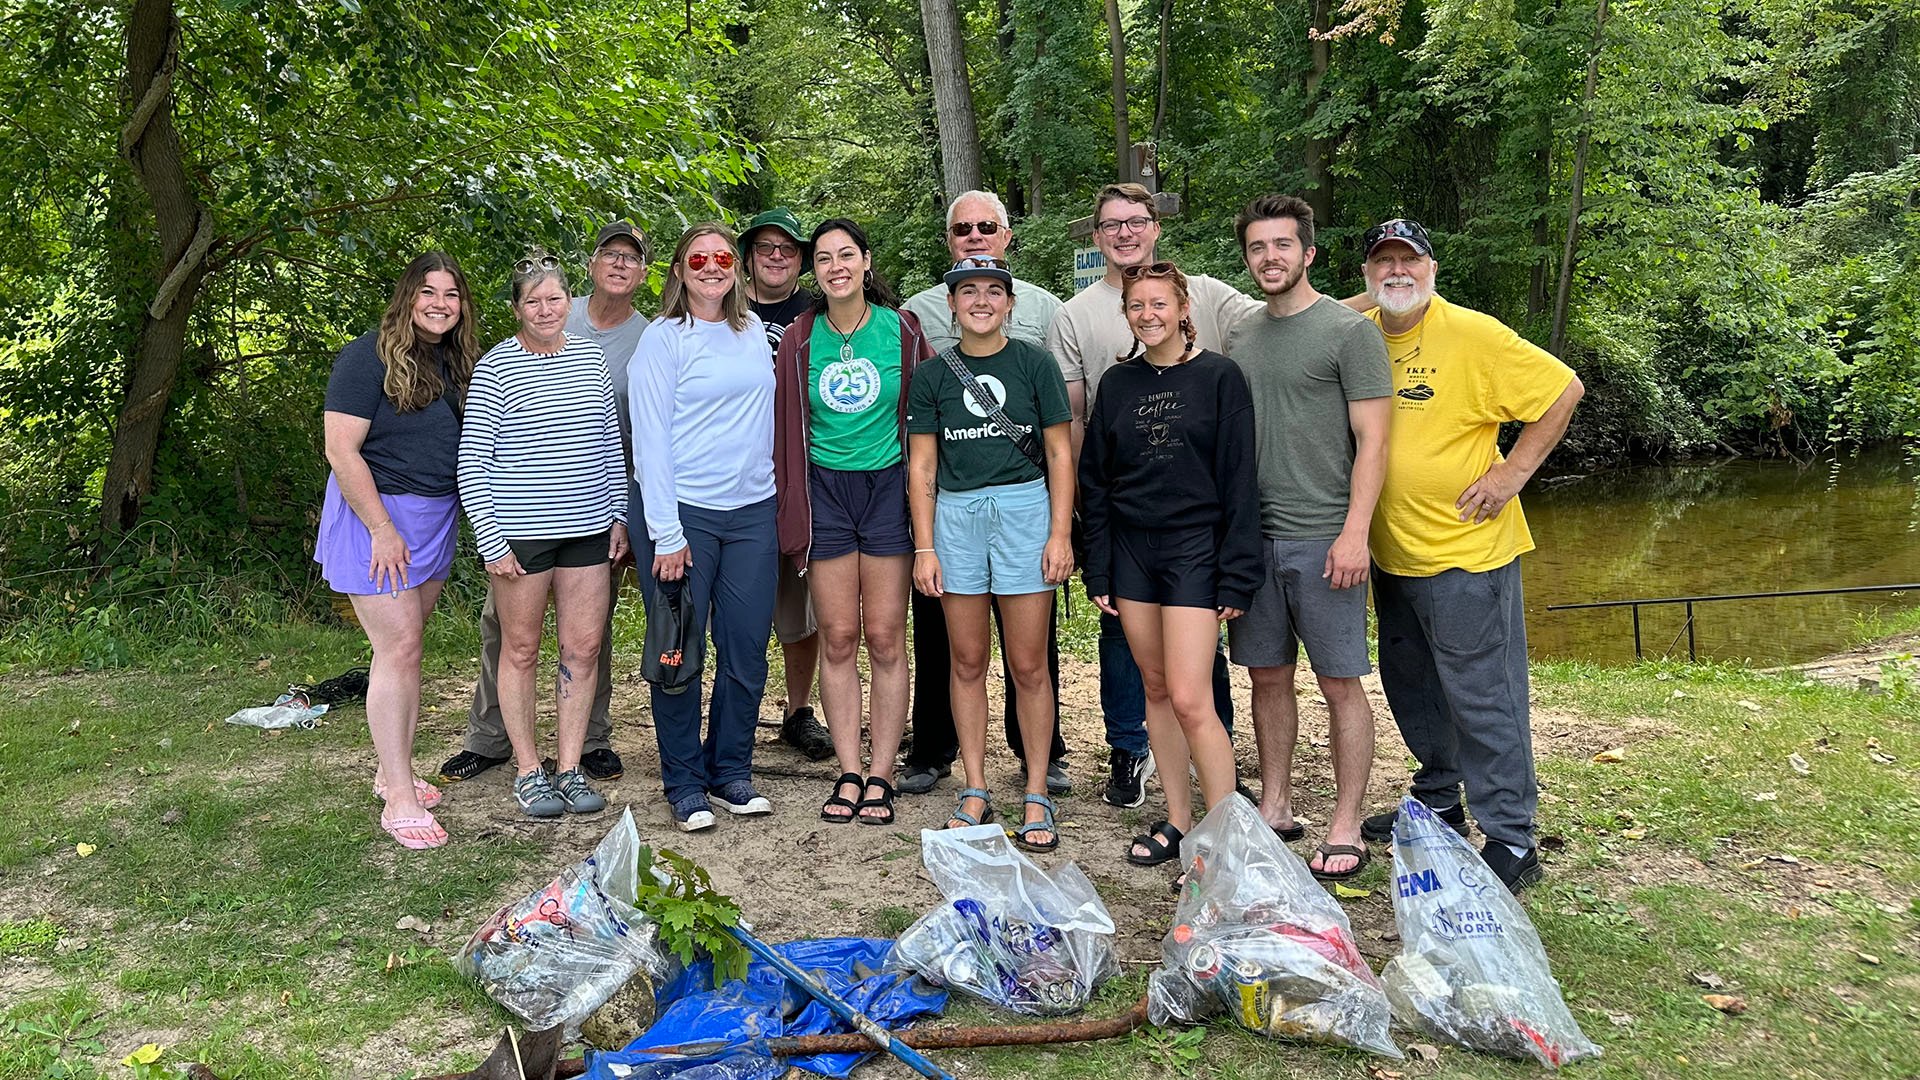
<point x="991" y="489"/>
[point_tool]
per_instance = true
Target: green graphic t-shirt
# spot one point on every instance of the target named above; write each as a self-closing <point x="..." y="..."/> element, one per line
<point x="974" y="452"/>
<point x="853" y="394"/>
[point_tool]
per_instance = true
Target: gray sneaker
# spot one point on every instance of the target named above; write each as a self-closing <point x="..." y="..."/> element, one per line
<point x="580" y="798"/>
<point x="919" y="779"/>
<point x="534" y="792"/>
<point x="1058" y="782"/>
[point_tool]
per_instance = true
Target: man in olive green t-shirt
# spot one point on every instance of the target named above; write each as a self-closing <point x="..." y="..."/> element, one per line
<point x="1321" y="391"/>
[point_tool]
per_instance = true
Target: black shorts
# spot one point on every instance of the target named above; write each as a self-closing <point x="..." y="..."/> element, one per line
<point x="540" y="556"/>
<point x="863" y="511"/>
<point x="1169" y="567"/>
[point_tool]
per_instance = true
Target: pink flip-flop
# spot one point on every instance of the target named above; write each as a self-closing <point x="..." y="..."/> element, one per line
<point x="428" y="795"/>
<point x="396" y="828"/>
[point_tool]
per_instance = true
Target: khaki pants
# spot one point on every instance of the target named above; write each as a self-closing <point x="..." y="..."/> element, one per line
<point x="486" y="734"/>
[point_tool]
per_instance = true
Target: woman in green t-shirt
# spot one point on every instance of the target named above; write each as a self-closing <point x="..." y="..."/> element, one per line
<point x="991" y="484"/>
<point x="840" y="411"/>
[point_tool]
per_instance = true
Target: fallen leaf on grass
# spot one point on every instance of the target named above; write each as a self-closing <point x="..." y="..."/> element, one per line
<point x="172" y="817"/>
<point x="1748" y="705"/>
<point x="415" y="924"/>
<point x="84" y="849"/>
<point x="146" y="1055"/>
<point x="1868" y="958"/>
<point x="1620" y="1019"/>
<point x="1709" y="980"/>
<point x="1610" y="757"/>
<point x="1424" y="1051"/>
<point x="1766" y="796"/>
<point x="1799" y="764"/>
<point x="265" y="663"/>
<point x="1348" y="892"/>
<point x="1726" y="1003"/>
<point x="1379" y="1073"/>
<point x="286" y="997"/>
<point x="1879" y="758"/>
<point x="1633" y="834"/>
<point x="1788" y="859"/>
<point x="1681" y="694"/>
<point x="395" y="960"/>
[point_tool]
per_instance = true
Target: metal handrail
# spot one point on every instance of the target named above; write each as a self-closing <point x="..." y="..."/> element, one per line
<point x="1689" y="601"/>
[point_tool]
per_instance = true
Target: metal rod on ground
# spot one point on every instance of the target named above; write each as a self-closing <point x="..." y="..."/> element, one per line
<point x="837" y="1005"/>
<point x="945" y="1038"/>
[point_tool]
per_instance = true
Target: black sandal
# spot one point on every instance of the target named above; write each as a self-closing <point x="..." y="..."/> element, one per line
<point x="1158" y="850"/>
<point x="852" y="808"/>
<point x="884" y="802"/>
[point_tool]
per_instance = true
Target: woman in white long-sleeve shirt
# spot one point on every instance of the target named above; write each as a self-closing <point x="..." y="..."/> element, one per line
<point x="701" y="393"/>
<point x="542" y="479"/>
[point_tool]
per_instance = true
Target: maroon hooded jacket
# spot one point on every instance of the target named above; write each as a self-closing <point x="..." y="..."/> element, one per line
<point x="793" y="421"/>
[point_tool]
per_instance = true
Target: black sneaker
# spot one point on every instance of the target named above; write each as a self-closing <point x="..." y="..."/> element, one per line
<point x="806" y="734"/>
<point x="602" y="764"/>
<point x="1516" y="872"/>
<point x="1379" y="827"/>
<point x="466" y="765"/>
<point x="1127" y="777"/>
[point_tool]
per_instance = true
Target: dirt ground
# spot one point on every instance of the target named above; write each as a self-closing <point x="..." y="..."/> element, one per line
<point x="1865" y="667"/>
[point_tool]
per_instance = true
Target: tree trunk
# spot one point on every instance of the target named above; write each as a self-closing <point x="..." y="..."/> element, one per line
<point x="1319" y="156"/>
<point x="1122" y="140"/>
<point x="1542" y="236"/>
<point x="152" y="148"/>
<point x="952" y="97"/>
<point x="1578" y="183"/>
<point x="1160" y="99"/>
<point x="1036" y="165"/>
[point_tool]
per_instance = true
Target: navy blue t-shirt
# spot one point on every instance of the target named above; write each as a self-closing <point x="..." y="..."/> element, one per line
<point x="412" y="453"/>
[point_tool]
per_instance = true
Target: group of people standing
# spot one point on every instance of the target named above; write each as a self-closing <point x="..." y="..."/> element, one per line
<point x="824" y="465"/>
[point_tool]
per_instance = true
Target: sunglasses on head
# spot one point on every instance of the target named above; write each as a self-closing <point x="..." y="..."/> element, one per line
<point x="698" y="260"/>
<point x="966" y="228"/>
<point x="1159" y="269"/>
<point x="528" y="266"/>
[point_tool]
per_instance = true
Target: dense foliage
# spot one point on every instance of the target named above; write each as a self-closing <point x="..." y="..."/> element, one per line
<point x="1744" y="279"/>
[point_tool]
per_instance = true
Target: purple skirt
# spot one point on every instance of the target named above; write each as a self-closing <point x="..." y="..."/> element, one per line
<point x="344" y="550"/>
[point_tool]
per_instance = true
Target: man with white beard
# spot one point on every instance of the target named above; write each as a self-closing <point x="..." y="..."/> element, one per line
<point x="1446" y="540"/>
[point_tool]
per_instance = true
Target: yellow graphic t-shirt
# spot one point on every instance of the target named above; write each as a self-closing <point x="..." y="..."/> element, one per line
<point x="1457" y="377"/>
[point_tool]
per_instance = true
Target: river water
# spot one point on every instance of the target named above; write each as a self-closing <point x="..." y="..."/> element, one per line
<point x="1734" y="527"/>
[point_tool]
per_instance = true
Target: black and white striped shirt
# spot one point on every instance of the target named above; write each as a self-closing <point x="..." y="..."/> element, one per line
<point x="540" y="453"/>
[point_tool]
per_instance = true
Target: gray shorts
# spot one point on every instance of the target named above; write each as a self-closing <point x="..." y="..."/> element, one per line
<point x="1295" y="605"/>
<point x="792" y="605"/>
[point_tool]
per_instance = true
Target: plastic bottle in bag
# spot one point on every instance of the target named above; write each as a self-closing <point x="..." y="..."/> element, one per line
<point x="1471" y="969"/>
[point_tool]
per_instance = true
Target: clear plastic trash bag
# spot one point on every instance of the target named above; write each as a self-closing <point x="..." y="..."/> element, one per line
<point x="1471" y="970"/>
<point x="1257" y="938"/>
<point x="291" y="709"/>
<point x="557" y="954"/>
<point x="1008" y="932"/>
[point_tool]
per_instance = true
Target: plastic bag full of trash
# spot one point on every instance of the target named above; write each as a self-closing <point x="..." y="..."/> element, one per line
<point x="1008" y="932"/>
<point x="291" y="709"/>
<point x="557" y="954"/>
<point x="1471" y="969"/>
<point x="1256" y="937"/>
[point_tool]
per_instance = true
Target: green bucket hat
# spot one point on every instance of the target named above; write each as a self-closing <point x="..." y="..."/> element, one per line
<point x="777" y="218"/>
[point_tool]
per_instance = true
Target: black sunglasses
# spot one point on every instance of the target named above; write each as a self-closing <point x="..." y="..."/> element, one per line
<point x="966" y="228"/>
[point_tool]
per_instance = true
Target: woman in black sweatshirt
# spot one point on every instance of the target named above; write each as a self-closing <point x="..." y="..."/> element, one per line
<point x="1171" y="512"/>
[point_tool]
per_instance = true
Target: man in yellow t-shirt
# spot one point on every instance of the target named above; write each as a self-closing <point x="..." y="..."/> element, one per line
<point x="1446" y="541"/>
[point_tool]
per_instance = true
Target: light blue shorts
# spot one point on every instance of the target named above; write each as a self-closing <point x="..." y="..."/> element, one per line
<point x="991" y="539"/>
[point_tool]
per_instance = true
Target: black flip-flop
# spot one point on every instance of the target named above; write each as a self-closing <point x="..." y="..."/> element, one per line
<point x="1295" y="831"/>
<point x="1328" y="851"/>
<point x="1159" y="850"/>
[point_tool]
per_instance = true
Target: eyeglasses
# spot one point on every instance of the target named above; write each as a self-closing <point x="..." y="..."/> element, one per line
<point x="961" y="229"/>
<point x="1159" y="269"/>
<point x="774" y="247"/>
<point x="698" y="260"/>
<point x="620" y="258"/>
<point x="1112" y="226"/>
<point x="528" y="266"/>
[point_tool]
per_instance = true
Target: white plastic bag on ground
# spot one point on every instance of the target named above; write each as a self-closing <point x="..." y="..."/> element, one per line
<point x="1471" y="969"/>
<point x="556" y="955"/>
<point x="1256" y="937"/>
<point x="1008" y="932"/>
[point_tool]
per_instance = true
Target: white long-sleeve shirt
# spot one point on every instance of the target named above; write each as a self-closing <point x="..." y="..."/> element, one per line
<point x="702" y="399"/>
<point x="540" y="448"/>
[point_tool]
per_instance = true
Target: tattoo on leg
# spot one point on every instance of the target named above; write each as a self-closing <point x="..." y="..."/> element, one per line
<point x="566" y="679"/>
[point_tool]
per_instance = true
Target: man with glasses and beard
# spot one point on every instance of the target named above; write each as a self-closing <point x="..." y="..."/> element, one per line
<point x="777" y="254"/>
<point x="976" y="225"/>
<point x="1447" y="537"/>
<point x="606" y="316"/>
<point x="1089" y="336"/>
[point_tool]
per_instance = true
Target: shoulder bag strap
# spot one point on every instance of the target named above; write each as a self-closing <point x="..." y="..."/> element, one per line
<point x="1023" y="443"/>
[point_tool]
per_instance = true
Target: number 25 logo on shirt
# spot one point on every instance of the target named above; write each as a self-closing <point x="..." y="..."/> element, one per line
<point x="850" y="386"/>
<point x="994" y="388"/>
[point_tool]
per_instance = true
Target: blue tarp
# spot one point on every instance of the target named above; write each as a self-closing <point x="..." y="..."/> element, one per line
<point x="733" y="1017"/>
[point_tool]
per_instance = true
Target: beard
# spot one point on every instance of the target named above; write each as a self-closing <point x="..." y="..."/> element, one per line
<point x="1399" y="294"/>
<point x="1286" y="285"/>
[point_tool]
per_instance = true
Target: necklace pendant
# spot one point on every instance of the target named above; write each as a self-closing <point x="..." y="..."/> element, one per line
<point x="846" y="352"/>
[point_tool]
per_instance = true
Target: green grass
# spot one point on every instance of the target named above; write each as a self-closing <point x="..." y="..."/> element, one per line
<point x="236" y="902"/>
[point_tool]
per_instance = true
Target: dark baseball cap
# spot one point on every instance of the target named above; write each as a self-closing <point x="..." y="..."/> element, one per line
<point x="777" y="218"/>
<point x="978" y="266"/>
<point x="1406" y="230"/>
<point x="620" y="230"/>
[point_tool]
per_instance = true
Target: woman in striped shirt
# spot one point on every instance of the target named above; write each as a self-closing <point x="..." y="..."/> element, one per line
<point x="702" y="400"/>
<point x="542" y="478"/>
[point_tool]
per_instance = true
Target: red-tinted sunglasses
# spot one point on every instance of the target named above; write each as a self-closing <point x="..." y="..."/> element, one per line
<point x="698" y="260"/>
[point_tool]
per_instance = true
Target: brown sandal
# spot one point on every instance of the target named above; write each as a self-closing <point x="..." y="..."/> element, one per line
<point x="1328" y="851"/>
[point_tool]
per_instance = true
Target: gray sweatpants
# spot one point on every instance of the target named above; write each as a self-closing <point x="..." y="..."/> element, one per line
<point x="1453" y="662"/>
<point x="487" y="734"/>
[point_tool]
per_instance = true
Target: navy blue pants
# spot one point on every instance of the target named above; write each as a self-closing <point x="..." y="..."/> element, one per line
<point x="735" y="565"/>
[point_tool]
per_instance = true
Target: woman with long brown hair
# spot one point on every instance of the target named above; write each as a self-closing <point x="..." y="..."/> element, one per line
<point x="388" y="524"/>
